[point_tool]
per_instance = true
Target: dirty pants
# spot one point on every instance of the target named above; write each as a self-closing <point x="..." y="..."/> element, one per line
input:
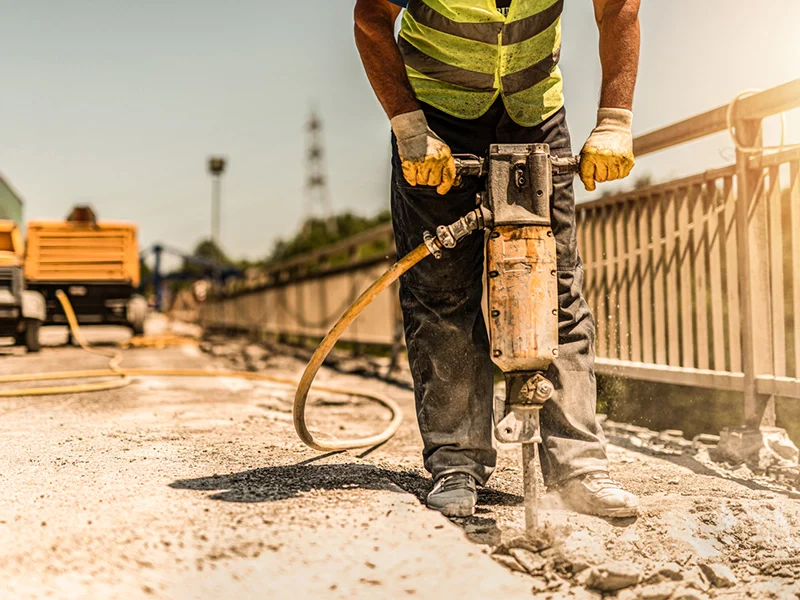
<point x="448" y="344"/>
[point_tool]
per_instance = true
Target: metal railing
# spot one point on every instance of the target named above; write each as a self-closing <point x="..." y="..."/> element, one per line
<point x="697" y="281"/>
<point x="692" y="282"/>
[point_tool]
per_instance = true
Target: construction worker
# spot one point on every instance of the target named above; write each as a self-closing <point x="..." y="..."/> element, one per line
<point x="462" y="75"/>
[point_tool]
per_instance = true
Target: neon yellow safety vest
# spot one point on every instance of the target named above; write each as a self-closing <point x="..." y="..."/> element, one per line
<point x="460" y="55"/>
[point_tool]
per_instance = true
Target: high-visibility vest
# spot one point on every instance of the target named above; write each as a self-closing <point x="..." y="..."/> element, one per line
<point x="460" y="55"/>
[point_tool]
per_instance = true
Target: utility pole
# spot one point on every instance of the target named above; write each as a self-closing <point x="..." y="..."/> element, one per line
<point x="216" y="167"/>
<point x="317" y="193"/>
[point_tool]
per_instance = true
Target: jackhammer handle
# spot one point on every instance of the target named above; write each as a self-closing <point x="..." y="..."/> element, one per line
<point x="469" y="164"/>
<point x="569" y="165"/>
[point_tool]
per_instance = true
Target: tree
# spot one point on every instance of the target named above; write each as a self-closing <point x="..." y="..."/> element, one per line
<point x="317" y="233"/>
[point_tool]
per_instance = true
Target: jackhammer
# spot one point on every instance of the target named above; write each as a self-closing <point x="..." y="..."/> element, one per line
<point x="522" y="294"/>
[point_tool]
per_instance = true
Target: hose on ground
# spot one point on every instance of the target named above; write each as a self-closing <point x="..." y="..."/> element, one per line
<point x="322" y="351"/>
<point x="122" y="376"/>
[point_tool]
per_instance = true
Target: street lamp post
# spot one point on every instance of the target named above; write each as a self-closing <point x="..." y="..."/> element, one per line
<point x="216" y="167"/>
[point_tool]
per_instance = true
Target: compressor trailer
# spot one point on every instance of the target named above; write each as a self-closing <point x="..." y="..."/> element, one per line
<point x="95" y="263"/>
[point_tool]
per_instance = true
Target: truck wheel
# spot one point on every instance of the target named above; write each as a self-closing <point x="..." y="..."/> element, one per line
<point x="137" y="328"/>
<point x="32" y="328"/>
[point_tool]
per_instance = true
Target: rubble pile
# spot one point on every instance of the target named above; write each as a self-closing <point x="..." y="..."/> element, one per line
<point x="565" y="569"/>
<point x="710" y="527"/>
<point x="781" y="473"/>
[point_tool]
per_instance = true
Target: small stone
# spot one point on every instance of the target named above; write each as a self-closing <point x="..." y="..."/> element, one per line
<point x="674" y="481"/>
<point x="509" y="563"/>
<point x="629" y="594"/>
<point x="688" y="594"/>
<point x="611" y="576"/>
<point x="579" y="593"/>
<point x="539" y="585"/>
<point x="719" y="575"/>
<point x="254" y="353"/>
<point x="660" y="591"/>
<point x="570" y="558"/>
<point x="531" y="562"/>
<point x="671" y="571"/>
<point x="695" y="579"/>
<point x="555" y="584"/>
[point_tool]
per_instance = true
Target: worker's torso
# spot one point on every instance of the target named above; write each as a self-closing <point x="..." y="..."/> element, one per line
<point x="461" y="55"/>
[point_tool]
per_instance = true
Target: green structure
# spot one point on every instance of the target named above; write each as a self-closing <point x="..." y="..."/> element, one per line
<point x="10" y="203"/>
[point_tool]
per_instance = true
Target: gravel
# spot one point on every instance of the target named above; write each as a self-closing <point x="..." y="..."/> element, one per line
<point x="200" y="489"/>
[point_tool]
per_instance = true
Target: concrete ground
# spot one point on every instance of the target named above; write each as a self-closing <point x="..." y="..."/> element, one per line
<point x="198" y="488"/>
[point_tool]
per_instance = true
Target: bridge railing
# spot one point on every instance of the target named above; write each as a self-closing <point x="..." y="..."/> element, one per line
<point x="693" y="282"/>
<point x="697" y="281"/>
<point x="304" y="296"/>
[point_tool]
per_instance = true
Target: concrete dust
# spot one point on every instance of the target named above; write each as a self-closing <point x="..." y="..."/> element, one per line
<point x="196" y="489"/>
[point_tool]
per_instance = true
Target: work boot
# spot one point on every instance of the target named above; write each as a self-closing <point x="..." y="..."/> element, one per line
<point x="454" y="495"/>
<point x="598" y="494"/>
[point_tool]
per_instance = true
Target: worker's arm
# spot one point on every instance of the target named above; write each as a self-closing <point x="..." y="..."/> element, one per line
<point x="608" y="153"/>
<point x="381" y="57"/>
<point x="426" y="159"/>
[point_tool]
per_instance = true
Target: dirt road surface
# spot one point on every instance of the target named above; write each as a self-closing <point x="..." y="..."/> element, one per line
<point x="198" y="488"/>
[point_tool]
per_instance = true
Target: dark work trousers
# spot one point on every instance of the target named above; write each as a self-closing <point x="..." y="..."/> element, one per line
<point x="448" y="344"/>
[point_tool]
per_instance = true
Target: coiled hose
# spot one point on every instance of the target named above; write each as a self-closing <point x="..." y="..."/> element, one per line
<point x="120" y="376"/>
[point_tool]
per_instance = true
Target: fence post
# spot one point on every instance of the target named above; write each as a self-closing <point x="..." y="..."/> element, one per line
<point x="754" y="289"/>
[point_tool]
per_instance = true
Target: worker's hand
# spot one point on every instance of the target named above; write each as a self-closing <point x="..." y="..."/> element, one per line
<point x="425" y="157"/>
<point x="608" y="153"/>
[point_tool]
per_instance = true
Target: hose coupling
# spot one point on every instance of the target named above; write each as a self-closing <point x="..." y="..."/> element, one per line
<point x="447" y="236"/>
<point x="433" y="244"/>
<point x="450" y="235"/>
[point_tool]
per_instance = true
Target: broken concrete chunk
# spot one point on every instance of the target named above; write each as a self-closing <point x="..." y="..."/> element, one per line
<point x="584" y="594"/>
<point x="509" y="562"/>
<point x="570" y="558"/>
<point x="539" y="585"/>
<point x="224" y="350"/>
<point x="695" y="579"/>
<point x="671" y="571"/>
<point x="719" y="575"/>
<point x="611" y="576"/>
<point x="254" y="353"/>
<point x="688" y="594"/>
<point x="531" y="562"/>
<point x="629" y="594"/>
<point x="659" y="591"/>
<point x="760" y="449"/>
<point x="779" y="442"/>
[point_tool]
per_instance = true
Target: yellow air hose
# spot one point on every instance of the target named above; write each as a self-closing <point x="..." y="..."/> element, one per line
<point x="121" y="376"/>
<point x="322" y="351"/>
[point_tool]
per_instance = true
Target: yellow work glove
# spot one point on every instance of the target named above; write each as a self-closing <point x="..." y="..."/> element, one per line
<point x="425" y="157"/>
<point x="608" y="153"/>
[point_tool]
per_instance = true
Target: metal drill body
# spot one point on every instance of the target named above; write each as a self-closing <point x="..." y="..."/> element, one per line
<point x="522" y="289"/>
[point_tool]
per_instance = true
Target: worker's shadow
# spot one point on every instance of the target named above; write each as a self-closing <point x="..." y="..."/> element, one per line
<point x="271" y="484"/>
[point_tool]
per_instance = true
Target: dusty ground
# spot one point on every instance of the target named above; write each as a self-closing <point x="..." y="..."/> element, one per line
<point x="196" y="488"/>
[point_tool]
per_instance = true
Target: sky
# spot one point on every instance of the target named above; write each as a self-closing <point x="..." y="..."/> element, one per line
<point x="119" y="104"/>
